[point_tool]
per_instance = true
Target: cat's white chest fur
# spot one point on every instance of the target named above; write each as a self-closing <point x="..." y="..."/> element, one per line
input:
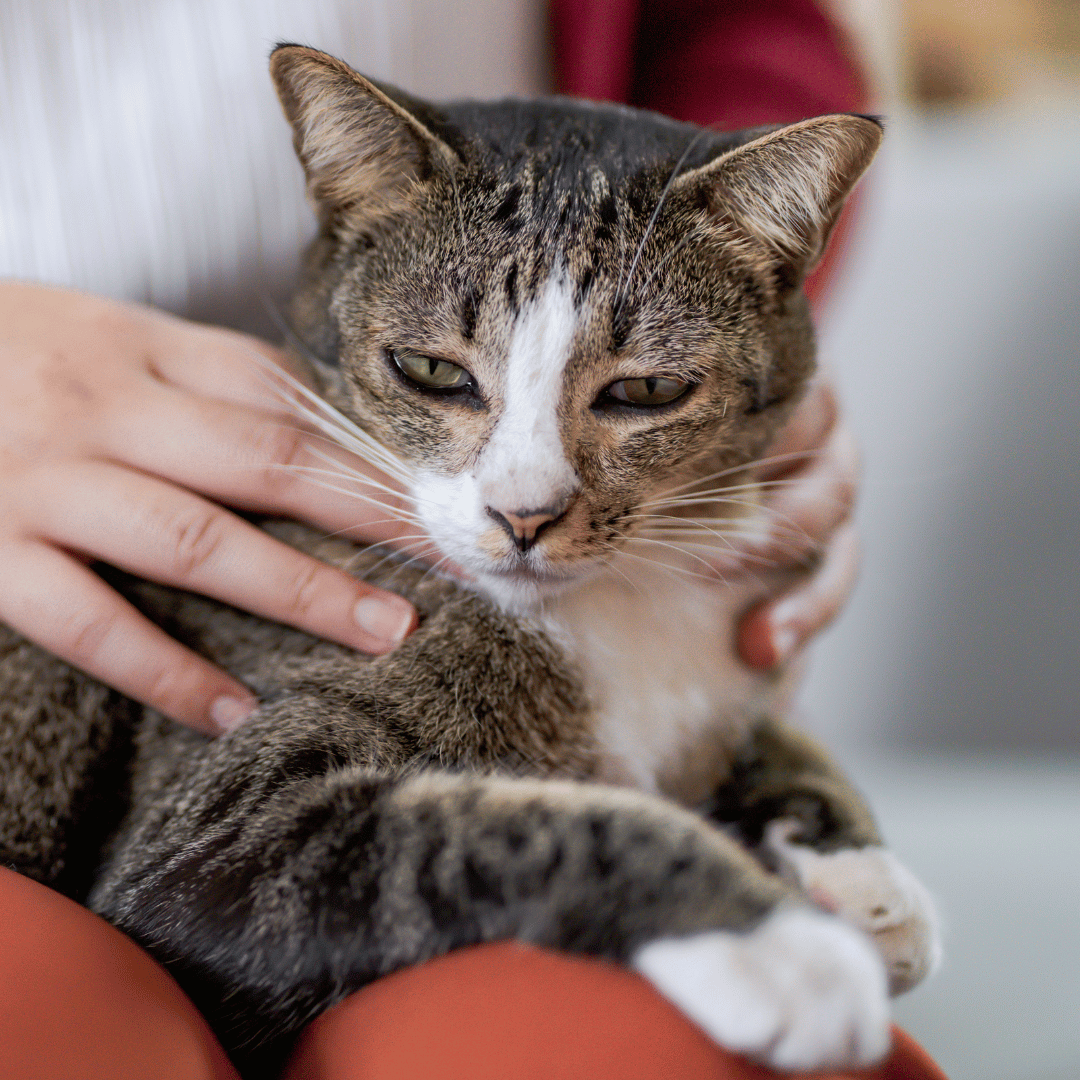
<point x="657" y="652"/>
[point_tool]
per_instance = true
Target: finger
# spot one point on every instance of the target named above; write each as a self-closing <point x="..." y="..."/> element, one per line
<point x="773" y="632"/>
<point x="805" y="433"/>
<point x="224" y="364"/>
<point x="256" y="461"/>
<point x="805" y="512"/>
<point x="171" y="536"/>
<point x="68" y="610"/>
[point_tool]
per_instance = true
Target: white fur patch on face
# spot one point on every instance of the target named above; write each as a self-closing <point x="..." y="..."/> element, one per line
<point x="523" y="466"/>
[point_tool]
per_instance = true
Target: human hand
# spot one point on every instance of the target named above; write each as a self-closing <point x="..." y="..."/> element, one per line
<point x="816" y="458"/>
<point x="122" y="429"/>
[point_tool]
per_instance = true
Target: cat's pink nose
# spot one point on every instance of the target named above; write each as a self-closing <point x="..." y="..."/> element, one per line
<point x="525" y="526"/>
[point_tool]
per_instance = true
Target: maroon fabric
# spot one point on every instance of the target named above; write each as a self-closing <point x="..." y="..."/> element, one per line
<point x="79" y="1001"/>
<point x="508" y="1012"/>
<point x="732" y="64"/>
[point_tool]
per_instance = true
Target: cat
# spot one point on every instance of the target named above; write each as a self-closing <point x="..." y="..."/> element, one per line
<point x="568" y="331"/>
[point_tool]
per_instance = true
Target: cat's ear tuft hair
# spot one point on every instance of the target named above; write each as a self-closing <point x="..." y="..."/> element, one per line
<point x="786" y="188"/>
<point x="359" y="147"/>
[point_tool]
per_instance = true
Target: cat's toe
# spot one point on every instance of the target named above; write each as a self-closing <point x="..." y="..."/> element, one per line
<point x="801" y="991"/>
<point x="874" y="891"/>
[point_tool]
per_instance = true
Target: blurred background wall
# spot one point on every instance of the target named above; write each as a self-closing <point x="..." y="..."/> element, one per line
<point x="951" y="685"/>
<point x="956" y="334"/>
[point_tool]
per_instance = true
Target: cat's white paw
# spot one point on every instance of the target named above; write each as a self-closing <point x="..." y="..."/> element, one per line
<point x="872" y="890"/>
<point x="802" y="991"/>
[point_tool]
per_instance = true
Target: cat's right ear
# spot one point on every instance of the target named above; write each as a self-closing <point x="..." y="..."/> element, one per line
<point x="360" y="149"/>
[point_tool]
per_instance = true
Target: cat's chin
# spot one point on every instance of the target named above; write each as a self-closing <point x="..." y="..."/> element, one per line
<point x="524" y="589"/>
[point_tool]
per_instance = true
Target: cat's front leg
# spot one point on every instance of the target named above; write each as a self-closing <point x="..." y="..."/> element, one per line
<point x="790" y="803"/>
<point x="276" y="912"/>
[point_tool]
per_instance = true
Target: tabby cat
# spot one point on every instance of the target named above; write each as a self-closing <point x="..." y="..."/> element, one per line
<point x="568" y="331"/>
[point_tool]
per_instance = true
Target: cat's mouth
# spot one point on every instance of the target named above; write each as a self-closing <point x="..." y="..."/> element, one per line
<point x="537" y="575"/>
<point x="527" y="583"/>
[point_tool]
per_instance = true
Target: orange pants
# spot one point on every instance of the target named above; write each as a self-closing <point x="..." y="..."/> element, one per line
<point x="79" y="1001"/>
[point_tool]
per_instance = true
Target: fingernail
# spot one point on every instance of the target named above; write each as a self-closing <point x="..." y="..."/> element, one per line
<point x="230" y="712"/>
<point x="785" y="640"/>
<point x="386" y="620"/>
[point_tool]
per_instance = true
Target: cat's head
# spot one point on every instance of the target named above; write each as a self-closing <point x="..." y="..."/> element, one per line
<point x="551" y="312"/>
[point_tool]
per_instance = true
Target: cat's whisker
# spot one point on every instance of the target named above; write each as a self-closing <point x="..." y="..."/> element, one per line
<point x="328" y="485"/>
<point x="738" y="527"/>
<point x="339" y="472"/>
<point x="792" y="543"/>
<point x="615" y="552"/>
<point x="434" y="569"/>
<point x="308" y="405"/>
<point x="369" y="571"/>
<point x="400" y="550"/>
<point x="421" y="546"/>
<point x="743" y="557"/>
<point x="370" y="481"/>
<point x="673" y="547"/>
<point x="666" y="568"/>
<point x="365" y="480"/>
<point x="759" y="509"/>
<point x="708" y="494"/>
<point x="775" y="459"/>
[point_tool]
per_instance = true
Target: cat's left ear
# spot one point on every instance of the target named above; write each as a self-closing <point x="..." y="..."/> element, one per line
<point x="787" y="188"/>
<point x="360" y="149"/>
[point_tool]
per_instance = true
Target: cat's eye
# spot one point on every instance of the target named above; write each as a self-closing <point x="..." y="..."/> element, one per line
<point x="652" y="390"/>
<point x="429" y="372"/>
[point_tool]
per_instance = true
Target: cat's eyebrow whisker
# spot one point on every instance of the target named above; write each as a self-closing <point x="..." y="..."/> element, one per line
<point x="675" y="249"/>
<point x="460" y="215"/>
<point x="620" y="294"/>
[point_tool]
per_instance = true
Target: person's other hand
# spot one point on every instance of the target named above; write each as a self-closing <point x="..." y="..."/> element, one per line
<point x="122" y="431"/>
<point x="815" y="459"/>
